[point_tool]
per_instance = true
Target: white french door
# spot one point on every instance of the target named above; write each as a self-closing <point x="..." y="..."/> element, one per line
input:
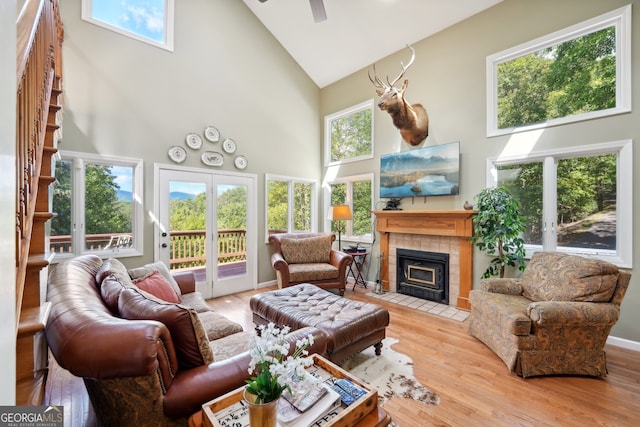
<point x="206" y="223"/>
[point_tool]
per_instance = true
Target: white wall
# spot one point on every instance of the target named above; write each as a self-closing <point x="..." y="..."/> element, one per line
<point x="8" y="18"/>
<point x="448" y="77"/>
<point x="124" y="97"/>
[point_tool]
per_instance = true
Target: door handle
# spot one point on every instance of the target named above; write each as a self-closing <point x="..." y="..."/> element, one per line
<point x="164" y="245"/>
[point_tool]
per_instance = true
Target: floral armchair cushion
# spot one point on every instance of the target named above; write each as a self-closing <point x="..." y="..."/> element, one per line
<point x="554" y="276"/>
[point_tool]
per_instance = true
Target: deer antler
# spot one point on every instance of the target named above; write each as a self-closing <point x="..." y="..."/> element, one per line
<point x="404" y="68"/>
<point x="377" y="82"/>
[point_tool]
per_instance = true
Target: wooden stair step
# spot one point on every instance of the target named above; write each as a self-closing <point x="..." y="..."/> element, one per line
<point x="33" y="320"/>
<point x="30" y="391"/>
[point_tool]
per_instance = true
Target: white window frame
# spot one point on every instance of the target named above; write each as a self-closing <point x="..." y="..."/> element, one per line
<point x="290" y="186"/>
<point x="366" y="105"/>
<point x="348" y="181"/>
<point x="78" y="161"/>
<point x="619" y="18"/>
<point x="166" y="44"/>
<point x="623" y="256"/>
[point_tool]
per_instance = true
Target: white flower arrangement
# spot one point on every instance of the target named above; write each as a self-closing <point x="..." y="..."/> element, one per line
<point x="274" y="368"/>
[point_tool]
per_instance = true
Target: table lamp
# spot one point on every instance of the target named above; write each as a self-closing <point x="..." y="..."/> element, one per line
<point x="340" y="213"/>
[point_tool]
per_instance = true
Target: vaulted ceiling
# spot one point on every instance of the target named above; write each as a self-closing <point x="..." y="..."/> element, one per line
<point x="356" y="33"/>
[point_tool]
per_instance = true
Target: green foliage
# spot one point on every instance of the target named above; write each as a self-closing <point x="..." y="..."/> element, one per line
<point x="62" y="193"/>
<point x="104" y="213"/>
<point x="574" y="77"/>
<point x="351" y="135"/>
<point x="278" y="205"/>
<point x="585" y="185"/>
<point x="188" y="214"/>
<point x="498" y="226"/>
<point x="301" y="206"/>
<point x="521" y="91"/>
<point x="362" y="208"/>
<point x="232" y="208"/>
<point x="525" y="185"/>
<point x="265" y="386"/>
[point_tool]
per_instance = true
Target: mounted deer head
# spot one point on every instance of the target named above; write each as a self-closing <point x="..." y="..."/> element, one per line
<point x="411" y="120"/>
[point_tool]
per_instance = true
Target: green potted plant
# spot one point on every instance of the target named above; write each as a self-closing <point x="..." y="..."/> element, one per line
<point x="498" y="225"/>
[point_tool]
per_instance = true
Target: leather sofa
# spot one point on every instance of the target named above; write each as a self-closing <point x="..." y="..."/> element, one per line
<point x="555" y="320"/>
<point x="309" y="258"/>
<point x="145" y="361"/>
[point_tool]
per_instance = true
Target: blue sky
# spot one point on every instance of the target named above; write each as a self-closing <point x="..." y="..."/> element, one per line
<point x="142" y="17"/>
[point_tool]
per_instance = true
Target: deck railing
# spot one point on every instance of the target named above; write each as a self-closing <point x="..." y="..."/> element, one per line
<point x="187" y="248"/>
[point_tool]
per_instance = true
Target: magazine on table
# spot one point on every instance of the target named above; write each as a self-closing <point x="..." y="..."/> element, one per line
<point x="289" y="416"/>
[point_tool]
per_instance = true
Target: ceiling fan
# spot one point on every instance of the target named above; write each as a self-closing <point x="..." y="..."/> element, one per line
<point x="317" y="9"/>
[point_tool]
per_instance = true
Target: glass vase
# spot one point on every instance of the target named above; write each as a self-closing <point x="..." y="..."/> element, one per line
<point x="261" y="414"/>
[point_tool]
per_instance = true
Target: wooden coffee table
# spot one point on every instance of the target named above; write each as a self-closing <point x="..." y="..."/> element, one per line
<point x="362" y="413"/>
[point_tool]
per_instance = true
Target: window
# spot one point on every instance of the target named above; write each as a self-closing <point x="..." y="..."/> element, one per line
<point x="97" y="201"/>
<point x="349" y="134"/>
<point x="291" y="204"/>
<point x="150" y="21"/>
<point x="575" y="200"/>
<point x="357" y="192"/>
<point x="579" y="73"/>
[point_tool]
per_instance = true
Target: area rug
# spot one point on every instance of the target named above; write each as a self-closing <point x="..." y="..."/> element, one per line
<point x="391" y="374"/>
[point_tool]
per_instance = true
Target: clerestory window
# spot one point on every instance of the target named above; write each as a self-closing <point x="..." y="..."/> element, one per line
<point x="581" y="72"/>
<point x="150" y="21"/>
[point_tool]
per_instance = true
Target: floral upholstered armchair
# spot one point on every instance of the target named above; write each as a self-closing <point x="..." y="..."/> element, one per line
<point x="555" y="319"/>
<point x="309" y="258"/>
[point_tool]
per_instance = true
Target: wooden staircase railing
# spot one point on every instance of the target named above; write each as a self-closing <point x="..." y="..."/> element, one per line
<point x="39" y="74"/>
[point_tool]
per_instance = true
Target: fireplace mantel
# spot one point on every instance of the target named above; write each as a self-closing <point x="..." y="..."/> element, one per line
<point x="453" y="224"/>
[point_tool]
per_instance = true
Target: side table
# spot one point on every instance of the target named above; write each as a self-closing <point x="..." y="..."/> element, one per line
<point x="359" y="258"/>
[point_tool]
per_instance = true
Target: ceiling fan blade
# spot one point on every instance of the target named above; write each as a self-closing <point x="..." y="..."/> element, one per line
<point x="317" y="9"/>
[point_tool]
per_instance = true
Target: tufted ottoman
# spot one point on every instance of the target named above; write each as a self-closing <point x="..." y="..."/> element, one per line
<point x="351" y="326"/>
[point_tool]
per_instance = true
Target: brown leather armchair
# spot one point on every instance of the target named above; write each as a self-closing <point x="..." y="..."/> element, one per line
<point x="132" y="368"/>
<point x="309" y="258"/>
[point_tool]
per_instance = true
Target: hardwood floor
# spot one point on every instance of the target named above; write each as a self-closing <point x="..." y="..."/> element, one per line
<point x="473" y="384"/>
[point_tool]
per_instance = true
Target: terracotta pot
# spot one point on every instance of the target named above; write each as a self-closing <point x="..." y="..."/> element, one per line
<point x="261" y="414"/>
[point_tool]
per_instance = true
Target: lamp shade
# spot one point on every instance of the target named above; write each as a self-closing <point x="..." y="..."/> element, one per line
<point x="340" y="213"/>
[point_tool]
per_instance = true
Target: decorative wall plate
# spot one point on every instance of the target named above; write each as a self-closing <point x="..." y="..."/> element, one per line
<point x="240" y="162"/>
<point x="177" y="154"/>
<point x="229" y="145"/>
<point x="194" y="141"/>
<point x="212" y="158"/>
<point x="212" y="134"/>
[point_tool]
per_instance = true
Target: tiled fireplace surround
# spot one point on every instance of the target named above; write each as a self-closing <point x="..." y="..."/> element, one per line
<point x="433" y="231"/>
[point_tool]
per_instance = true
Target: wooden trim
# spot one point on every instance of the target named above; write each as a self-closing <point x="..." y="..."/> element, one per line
<point x="456" y="224"/>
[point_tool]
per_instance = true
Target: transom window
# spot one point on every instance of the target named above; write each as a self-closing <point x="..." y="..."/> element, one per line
<point x="349" y="134"/>
<point x="98" y="205"/>
<point x="579" y="73"/>
<point x="576" y="200"/>
<point x="150" y="21"/>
